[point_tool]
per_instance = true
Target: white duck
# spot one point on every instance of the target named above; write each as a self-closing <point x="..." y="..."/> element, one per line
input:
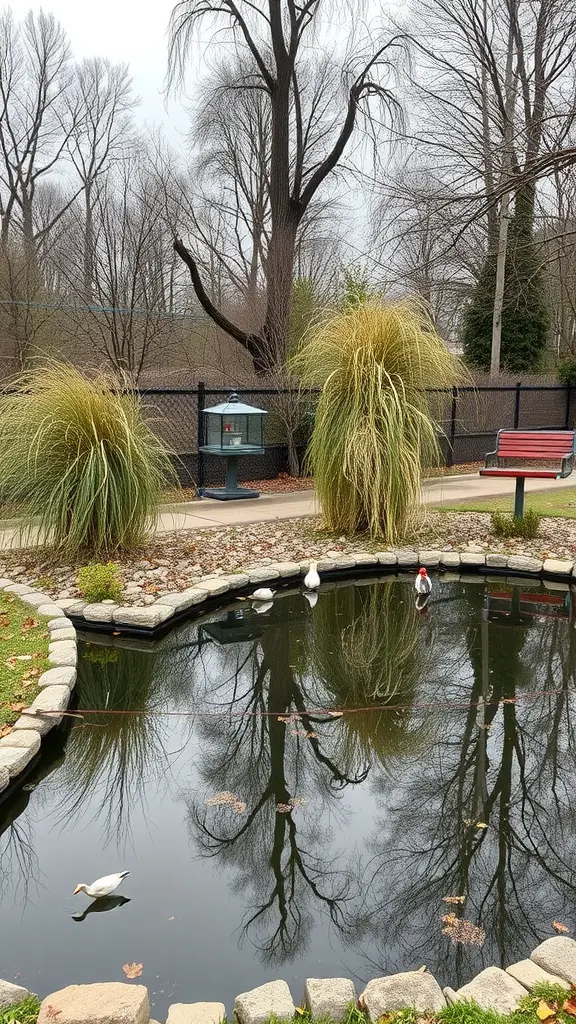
<point x="102" y="886"/>
<point x="312" y="579"/>
<point x="262" y="594"/>
<point x="423" y="583"/>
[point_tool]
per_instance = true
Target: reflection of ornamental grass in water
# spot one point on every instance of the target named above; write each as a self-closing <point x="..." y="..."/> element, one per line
<point x="113" y="754"/>
<point x="375" y="659"/>
<point x="374" y="427"/>
<point x="79" y="458"/>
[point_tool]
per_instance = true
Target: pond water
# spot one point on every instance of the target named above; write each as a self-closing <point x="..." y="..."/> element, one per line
<point x="340" y="835"/>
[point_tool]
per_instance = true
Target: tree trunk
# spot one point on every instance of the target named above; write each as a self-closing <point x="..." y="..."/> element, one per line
<point x="88" y="268"/>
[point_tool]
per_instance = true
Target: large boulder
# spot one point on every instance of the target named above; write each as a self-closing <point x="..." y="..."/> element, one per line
<point x="196" y="1013"/>
<point x="529" y="974"/>
<point x="109" y="1003"/>
<point x="329" y="998"/>
<point x="259" y="1004"/>
<point x="493" y="989"/>
<point x="400" y="991"/>
<point x="558" y="956"/>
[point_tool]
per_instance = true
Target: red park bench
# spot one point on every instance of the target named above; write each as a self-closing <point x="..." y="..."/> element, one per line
<point x="531" y="446"/>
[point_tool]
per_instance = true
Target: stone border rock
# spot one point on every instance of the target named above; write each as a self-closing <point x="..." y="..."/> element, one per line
<point x="328" y="999"/>
<point x="21" y="746"/>
<point x="108" y="616"/>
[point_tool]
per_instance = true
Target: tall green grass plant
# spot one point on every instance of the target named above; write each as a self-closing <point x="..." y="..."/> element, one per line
<point x="374" y="426"/>
<point x="77" y="456"/>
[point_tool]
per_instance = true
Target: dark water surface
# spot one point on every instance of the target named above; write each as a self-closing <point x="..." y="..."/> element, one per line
<point x="350" y="881"/>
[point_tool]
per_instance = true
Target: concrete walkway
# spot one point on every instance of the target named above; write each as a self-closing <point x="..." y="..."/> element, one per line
<point x="201" y="515"/>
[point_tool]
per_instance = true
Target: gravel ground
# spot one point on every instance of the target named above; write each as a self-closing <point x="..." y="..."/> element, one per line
<point x="177" y="560"/>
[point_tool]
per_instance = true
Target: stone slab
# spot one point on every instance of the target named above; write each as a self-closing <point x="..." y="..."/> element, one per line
<point x="401" y="991"/>
<point x="451" y="559"/>
<point x="237" y="580"/>
<point x="387" y="557"/>
<point x="4" y="783"/>
<point x="406" y="557"/>
<point x="97" y="611"/>
<point x="365" y="558"/>
<point x="67" y="633"/>
<point x="557" y="566"/>
<point x="63" y="653"/>
<point x="557" y="955"/>
<point x="342" y="562"/>
<point x="329" y="998"/>
<point x="149" y="617"/>
<point x="529" y="974"/>
<point x="451" y="994"/>
<point x="183" y="600"/>
<point x="287" y="569"/>
<point x="107" y="1003"/>
<point x="14" y="759"/>
<point x="429" y="557"/>
<point x="19" y="589"/>
<point x="493" y="989"/>
<point x="35" y="600"/>
<point x="214" y="587"/>
<point x="61" y="676"/>
<point x="51" y="611"/>
<point x="196" y="1013"/>
<point x="5" y="582"/>
<point x="71" y="605"/>
<point x="28" y="738"/>
<point x="496" y="560"/>
<point x="263" y="574"/>
<point x="51" y="698"/>
<point x="523" y="563"/>
<point x="55" y="624"/>
<point x="11" y="994"/>
<point x="258" y="1005"/>
<point x="469" y="558"/>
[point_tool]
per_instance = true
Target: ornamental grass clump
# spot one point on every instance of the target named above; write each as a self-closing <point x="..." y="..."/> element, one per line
<point x="77" y="457"/>
<point x="374" y="427"/>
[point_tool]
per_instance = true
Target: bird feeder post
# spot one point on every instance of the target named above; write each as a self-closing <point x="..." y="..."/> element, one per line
<point x="233" y="429"/>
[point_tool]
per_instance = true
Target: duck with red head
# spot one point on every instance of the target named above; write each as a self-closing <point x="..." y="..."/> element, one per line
<point x="423" y="583"/>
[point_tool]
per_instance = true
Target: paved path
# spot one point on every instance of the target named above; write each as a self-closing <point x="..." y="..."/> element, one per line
<point x="200" y="515"/>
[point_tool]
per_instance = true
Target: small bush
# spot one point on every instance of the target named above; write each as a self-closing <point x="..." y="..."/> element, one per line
<point x="100" y="582"/>
<point x="506" y="525"/>
<point x="25" y="1012"/>
<point x="566" y="371"/>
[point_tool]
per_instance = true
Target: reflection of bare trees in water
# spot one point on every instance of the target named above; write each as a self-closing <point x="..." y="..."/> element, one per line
<point x="509" y="763"/>
<point x="110" y="757"/>
<point x="19" y="865"/>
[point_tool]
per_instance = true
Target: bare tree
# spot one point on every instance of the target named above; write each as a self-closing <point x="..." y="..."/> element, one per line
<point x="272" y="35"/>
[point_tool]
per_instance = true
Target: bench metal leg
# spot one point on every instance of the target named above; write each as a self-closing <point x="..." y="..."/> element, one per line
<point x="519" y="498"/>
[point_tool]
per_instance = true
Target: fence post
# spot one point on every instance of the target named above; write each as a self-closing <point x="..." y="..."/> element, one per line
<point x="568" y="404"/>
<point x="517" y="404"/>
<point x="200" y="435"/>
<point x="450" y="452"/>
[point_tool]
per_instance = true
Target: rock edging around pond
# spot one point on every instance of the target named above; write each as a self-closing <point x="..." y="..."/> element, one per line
<point x="21" y="746"/>
<point x="157" y="618"/>
<point x="327" y="999"/>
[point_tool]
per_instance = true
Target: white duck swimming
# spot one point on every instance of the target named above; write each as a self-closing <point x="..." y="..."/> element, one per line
<point x="312" y="579"/>
<point x="102" y="886"/>
<point x="423" y="583"/>
<point x="262" y="594"/>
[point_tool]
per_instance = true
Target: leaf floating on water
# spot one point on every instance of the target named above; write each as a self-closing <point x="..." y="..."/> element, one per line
<point x="289" y="718"/>
<point x="562" y="929"/>
<point x="226" y="799"/>
<point x="336" y="714"/>
<point x="454" y="899"/>
<point x="475" y="824"/>
<point x="460" y="930"/>
<point x="132" y="970"/>
<point x="283" y="808"/>
<point x="543" y="1011"/>
<point x="422" y="970"/>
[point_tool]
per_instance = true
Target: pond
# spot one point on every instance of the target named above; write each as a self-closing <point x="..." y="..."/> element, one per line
<point x="296" y="792"/>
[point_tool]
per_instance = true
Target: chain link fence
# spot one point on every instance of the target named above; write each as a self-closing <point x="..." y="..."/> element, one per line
<point x="468" y="420"/>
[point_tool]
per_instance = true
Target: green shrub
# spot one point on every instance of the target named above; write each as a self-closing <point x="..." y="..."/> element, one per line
<point x="98" y="582"/>
<point x="374" y="427"/>
<point x="566" y="371"/>
<point x="25" y="1012"/>
<point x="78" y="456"/>
<point x="505" y="524"/>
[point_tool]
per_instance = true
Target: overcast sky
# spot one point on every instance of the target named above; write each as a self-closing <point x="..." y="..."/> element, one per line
<point x="130" y="31"/>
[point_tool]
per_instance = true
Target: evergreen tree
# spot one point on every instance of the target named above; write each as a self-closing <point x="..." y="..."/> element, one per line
<point x="525" y="319"/>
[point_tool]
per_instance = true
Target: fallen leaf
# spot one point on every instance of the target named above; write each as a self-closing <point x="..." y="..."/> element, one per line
<point x="51" y="1011"/>
<point x="29" y="623"/>
<point x="132" y="970"/>
<point x="422" y="970"/>
<point x="300" y="1011"/>
<point x="460" y="930"/>
<point x="5" y="730"/>
<point x="335" y="714"/>
<point x="569" y="1006"/>
<point x="283" y="808"/>
<point x="562" y="929"/>
<point x="17" y="707"/>
<point x="543" y="1011"/>
<point x="453" y="899"/>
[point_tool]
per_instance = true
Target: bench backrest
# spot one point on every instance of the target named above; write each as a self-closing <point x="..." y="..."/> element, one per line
<point x="540" y="444"/>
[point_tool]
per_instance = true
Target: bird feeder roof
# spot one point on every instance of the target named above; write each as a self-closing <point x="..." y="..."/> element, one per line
<point x="233" y="407"/>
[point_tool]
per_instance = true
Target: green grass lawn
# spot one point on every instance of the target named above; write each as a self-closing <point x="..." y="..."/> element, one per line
<point x="23" y="656"/>
<point x="561" y="503"/>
